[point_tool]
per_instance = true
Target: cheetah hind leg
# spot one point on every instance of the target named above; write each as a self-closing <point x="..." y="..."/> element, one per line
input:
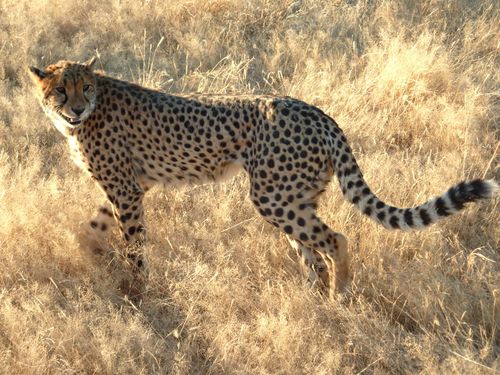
<point x="306" y="228"/>
<point x="315" y="265"/>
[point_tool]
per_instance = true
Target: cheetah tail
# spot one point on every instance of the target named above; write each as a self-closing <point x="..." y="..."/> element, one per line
<point x="357" y="192"/>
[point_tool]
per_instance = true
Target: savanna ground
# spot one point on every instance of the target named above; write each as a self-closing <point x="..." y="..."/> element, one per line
<point x="414" y="85"/>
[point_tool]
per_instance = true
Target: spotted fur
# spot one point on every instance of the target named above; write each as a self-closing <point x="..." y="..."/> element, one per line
<point x="129" y="138"/>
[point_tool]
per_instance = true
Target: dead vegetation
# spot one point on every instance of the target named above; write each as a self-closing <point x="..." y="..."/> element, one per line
<point x="414" y="86"/>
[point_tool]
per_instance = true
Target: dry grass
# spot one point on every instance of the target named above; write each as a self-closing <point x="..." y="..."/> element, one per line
<point x="415" y="87"/>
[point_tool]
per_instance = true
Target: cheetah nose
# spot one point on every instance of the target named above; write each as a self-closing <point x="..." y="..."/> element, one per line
<point x="78" y="111"/>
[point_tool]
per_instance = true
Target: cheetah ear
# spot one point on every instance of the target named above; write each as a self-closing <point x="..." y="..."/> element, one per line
<point x="38" y="75"/>
<point x="90" y="63"/>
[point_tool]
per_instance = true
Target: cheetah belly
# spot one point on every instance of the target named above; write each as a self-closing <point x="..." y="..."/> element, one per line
<point x="173" y="175"/>
<point x="228" y="171"/>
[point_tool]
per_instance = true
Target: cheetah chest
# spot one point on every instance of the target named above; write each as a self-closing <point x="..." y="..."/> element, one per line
<point x="76" y="153"/>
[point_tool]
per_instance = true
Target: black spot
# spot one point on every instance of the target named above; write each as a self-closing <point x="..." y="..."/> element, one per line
<point x="303" y="237"/>
<point x="131" y="231"/>
<point x="105" y="211"/>
<point x="288" y="229"/>
<point x="368" y="211"/>
<point x="408" y="217"/>
<point x="291" y="215"/>
<point x="279" y="212"/>
<point x="441" y="208"/>
<point x="380" y="204"/>
<point x="125" y="218"/>
<point x="478" y="190"/>
<point x="93" y="224"/>
<point x="454" y="197"/>
<point x="348" y="171"/>
<point x="301" y="222"/>
<point x="381" y="216"/>
<point x="425" y="217"/>
<point x="394" y="221"/>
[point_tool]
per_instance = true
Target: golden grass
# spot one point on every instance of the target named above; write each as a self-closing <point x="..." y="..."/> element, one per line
<point x="414" y="86"/>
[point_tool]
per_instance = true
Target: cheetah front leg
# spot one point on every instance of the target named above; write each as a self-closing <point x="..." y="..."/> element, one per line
<point x="97" y="230"/>
<point x="128" y="212"/>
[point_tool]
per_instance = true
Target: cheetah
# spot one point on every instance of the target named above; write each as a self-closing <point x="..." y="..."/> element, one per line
<point x="130" y="137"/>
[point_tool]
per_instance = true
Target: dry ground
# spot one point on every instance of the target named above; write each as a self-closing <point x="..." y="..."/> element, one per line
<point x="415" y="86"/>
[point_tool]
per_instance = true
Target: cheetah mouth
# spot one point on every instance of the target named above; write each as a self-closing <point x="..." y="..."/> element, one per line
<point x="72" y="121"/>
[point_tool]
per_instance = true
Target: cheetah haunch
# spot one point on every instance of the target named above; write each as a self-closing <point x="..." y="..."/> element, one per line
<point x="129" y="138"/>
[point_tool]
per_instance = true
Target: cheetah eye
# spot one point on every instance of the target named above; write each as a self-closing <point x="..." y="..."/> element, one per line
<point x="61" y="90"/>
<point x="86" y="87"/>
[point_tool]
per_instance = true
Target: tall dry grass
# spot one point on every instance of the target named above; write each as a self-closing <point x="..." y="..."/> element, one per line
<point x="415" y="87"/>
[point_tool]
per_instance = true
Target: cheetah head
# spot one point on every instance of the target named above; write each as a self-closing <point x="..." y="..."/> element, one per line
<point x="66" y="90"/>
